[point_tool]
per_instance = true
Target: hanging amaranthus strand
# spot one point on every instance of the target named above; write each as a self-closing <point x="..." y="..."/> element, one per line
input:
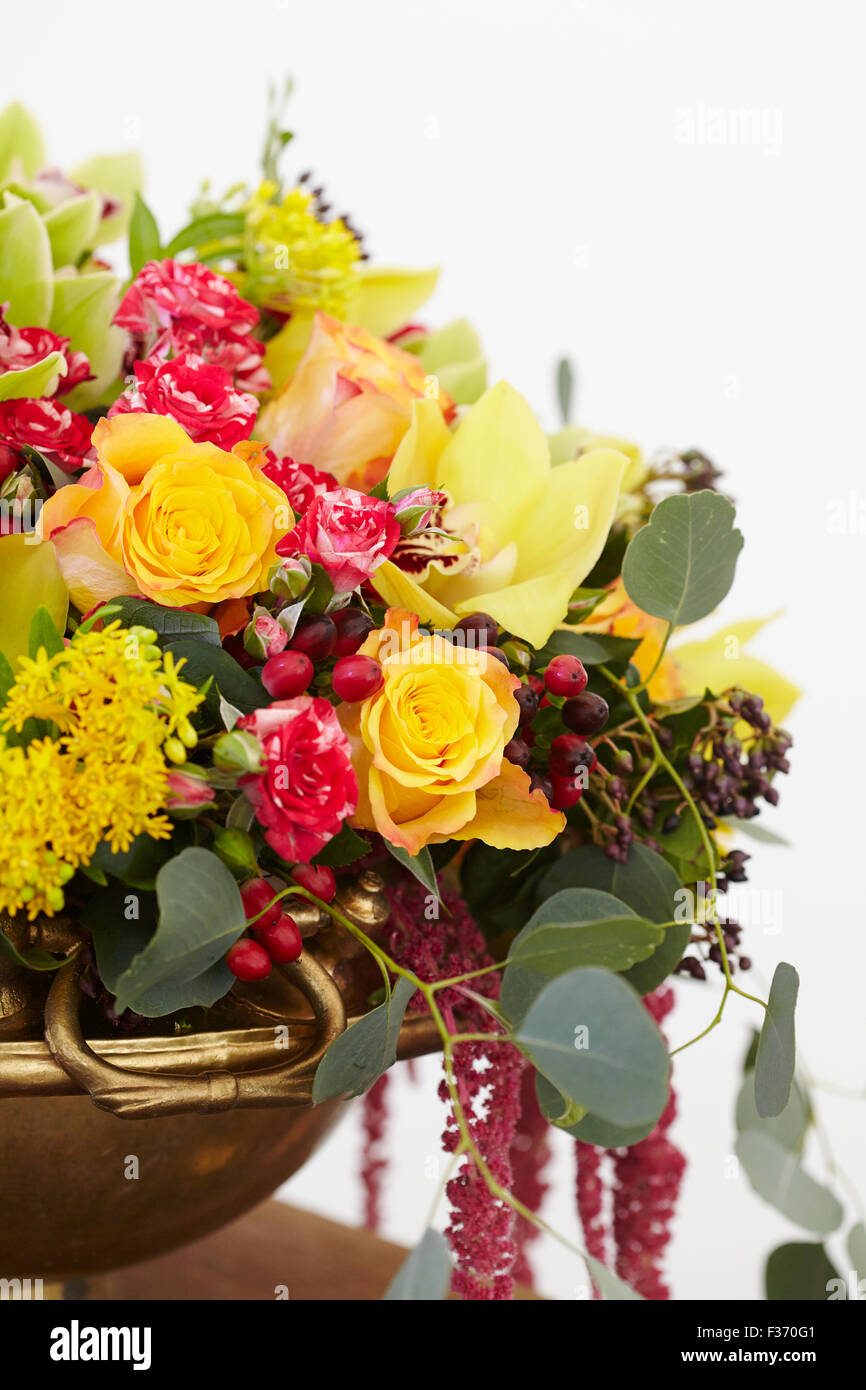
<point x="373" y="1160"/>
<point x="480" y="1230"/>
<point x="646" y="1183"/>
<point x="530" y="1155"/>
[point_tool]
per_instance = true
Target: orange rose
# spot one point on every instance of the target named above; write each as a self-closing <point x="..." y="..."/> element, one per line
<point x="349" y="403"/>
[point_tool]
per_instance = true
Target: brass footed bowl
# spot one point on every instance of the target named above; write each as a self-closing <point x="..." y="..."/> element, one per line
<point x="118" y="1150"/>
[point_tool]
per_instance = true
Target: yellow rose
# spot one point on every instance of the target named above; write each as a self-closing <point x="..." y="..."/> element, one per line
<point x="182" y="523"/>
<point x="428" y="746"/>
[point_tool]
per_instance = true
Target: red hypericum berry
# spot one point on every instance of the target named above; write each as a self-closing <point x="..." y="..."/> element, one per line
<point x="247" y="960"/>
<point x="316" y="635"/>
<point x="585" y="713"/>
<point x="537" y="683"/>
<point x="353" y="627"/>
<point x="567" y="755"/>
<point x="316" y="878"/>
<point x="565" y="676"/>
<point x="527" y="699"/>
<point x="255" y="896"/>
<point x="282" y="940"/>
<point x="500" y="656"/>
<point x="483" y="628"/>
<point x="567" y="791"/>
<point x="539" y="783"/>
<point x="287" y="674"/>
<point x="356" y="678"/>
<point x="517" y="752"/>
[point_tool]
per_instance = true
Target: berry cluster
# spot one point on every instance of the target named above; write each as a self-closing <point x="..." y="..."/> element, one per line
<point x="728" y="773"/>
<point x="276" y="937"/>
<point x="319" y="638"/>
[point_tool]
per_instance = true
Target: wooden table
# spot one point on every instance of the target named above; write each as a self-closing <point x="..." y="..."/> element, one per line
<point x="272" y="1246"/>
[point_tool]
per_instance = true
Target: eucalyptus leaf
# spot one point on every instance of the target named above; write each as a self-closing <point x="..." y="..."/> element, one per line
<point x="788" y="1128"/>
<point x="681" y="564"/>
<point x="774" y="1065"/>
<point x="799" y="1273"/>
<point x="591" y="1036"/>
<point x="857" y="1249"/>
<point x="200" y="916"/>
<point x="776" y="1175"/>
<point x="34" y="957"/>
<point x="609" y="1285"/>
<point x="425" y="1274"/>
<point x="358" y="1057"/>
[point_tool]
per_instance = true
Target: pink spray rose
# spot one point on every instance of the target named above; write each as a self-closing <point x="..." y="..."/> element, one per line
<point x="348" y="533"/>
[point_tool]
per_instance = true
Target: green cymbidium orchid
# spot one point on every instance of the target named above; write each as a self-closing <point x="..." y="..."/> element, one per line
<point x="528" y="533"/>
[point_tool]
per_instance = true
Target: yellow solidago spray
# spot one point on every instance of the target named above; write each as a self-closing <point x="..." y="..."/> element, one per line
<point x="113" y="715"/>
<point x="293" y="260"/>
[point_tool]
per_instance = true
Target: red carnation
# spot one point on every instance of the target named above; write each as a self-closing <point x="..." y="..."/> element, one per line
<point x="51" y="428"/>
<point x="309" y="786"/>
<point x="195" y="393"/>
<point x="24" y="347"/>
<point x="301" y="482"/>
<point x="348" y="533"/>
<point x="238" y="353"/>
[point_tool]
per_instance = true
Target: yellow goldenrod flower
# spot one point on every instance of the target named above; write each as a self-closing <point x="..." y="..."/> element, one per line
<point x="294" y="261"/>
<point x="112" y="710"/>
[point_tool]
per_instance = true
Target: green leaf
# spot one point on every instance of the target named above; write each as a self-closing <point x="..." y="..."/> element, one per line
<point x="200" y="916"/>
<point x="26" y="270"/>
<point x="359" y="1056"/>
<point x="203" y="661"/>
<point x="788" y="1128"/>
<point x="857" y="1249"/>
<point x="170" y="624"/>
<point x="774" y="1067"/>
<point x="144" y="243"/>
<point x="609" y="1285"/>
<point x="576" y="927"/>
<point x="420" y="866"/>
<point x="21" y="143"/>
<point x="647" y="884"/>
<point x="72" y="227"/>
<point x="425" y="1274"/>
<point x="681" y="564"/>
<point x="345" y="848"/>
<point x="591" y="1036"/>
<point x="43" y="633"/>
<point x="592" y="648"/>
<point x="139" y="865"/>
<point x="214" y="226"/>
<point x="7" y="679"/>
<point x="752" y="830"/>
<point x="122" y="925"/>
<point x="34" y="957"/>
<point x="38" y="380"/>
<point x="799" y="1273"/>
<point x="776" y="1175"/>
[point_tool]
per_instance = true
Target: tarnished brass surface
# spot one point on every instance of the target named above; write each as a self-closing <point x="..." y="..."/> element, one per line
<point x="221" y="1118"/>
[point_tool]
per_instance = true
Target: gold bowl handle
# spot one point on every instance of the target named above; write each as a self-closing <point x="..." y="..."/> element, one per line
<point x="135" y="1095"/>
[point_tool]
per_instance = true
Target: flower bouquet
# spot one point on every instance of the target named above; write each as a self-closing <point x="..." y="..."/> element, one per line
<point x="328" y="676"/>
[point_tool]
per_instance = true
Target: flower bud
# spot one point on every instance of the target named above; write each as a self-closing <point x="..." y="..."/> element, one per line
<point x="189" y="792"/>
<point x="235" y="848"/>
<point x="263" y="635"/>
<point x="290" y="578"/>
<point x="238" y="751"/>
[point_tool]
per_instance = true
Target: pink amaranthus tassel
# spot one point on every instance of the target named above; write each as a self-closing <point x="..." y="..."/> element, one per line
<point x="481" y="1226"/>
<point x="530" y="1155"/>
<point x="373" y="1161"/>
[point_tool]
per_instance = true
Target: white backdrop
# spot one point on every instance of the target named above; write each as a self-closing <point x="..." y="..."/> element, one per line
<point x="672" y="194"/>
